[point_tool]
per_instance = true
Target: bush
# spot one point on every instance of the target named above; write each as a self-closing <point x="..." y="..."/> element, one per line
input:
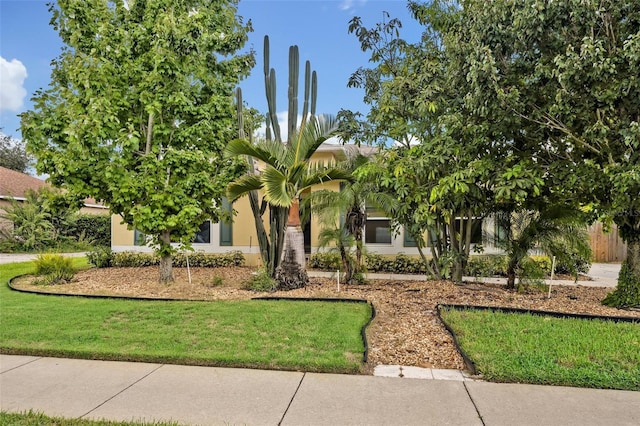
<point x="543" y="263"/>
<point x="94" y="228"/>
<point x="489" y="265"/>
<point x="627" y="293"/>
<point x="54" y="268"/>
<point x="378" y="263"/>
<point x="101" y="257"/>
<point x="209" y="260"/>
<point x="261" y="282"/>
<point x="130" y="259"/>
<point x="326" y="261"/>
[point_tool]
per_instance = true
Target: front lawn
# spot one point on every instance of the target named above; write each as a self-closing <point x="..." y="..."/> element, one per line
<point x="511" y="347"/>
<point x="37" y="419"/>
<point x="308" y="336"/>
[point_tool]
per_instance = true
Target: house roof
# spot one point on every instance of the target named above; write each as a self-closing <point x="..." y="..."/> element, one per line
<point x="14" y="184"/>
<point x="346" y="149"/>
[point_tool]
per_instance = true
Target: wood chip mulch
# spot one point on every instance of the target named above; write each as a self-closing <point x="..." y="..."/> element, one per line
<point x="406" y="330"/>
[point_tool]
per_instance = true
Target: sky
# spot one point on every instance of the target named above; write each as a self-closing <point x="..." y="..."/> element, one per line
<point x="319" y="27"/>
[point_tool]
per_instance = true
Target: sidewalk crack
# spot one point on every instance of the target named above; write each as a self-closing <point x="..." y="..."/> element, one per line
<point x="123" y="390"/>
<point x="22" y="365"/>
<point x="474" y="403"/>
<point x="292" y="398"/>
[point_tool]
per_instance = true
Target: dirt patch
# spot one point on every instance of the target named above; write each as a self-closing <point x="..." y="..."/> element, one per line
<point x="406" y="330"/>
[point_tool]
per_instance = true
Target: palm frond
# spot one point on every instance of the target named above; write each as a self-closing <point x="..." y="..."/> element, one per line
<point x="271" y="153"/>
<point x="322" y="176"/>
<point x="242" y="186"/>
<point x="314" y="133"/>
<point x="276" y="187"/>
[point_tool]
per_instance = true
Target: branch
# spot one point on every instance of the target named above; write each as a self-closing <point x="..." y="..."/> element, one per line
<point x="149" y="132"/>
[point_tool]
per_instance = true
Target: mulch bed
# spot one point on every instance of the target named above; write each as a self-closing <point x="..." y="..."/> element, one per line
<point x="406" y="330"/>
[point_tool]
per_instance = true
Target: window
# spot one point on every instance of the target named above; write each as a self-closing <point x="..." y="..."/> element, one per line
<point x="409" y="241"/>
<point x="476" y="230"/>
<point x="139" y="238"/>
<point x="203" y="236"/>
<point x="377" y="229"/>
<point x="226" y="226"/>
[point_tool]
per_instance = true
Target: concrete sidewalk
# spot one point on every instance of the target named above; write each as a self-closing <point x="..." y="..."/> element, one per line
<point x="212" y="396"/>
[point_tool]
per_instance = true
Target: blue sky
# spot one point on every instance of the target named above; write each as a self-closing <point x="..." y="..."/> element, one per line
<point x="319" y="27"/>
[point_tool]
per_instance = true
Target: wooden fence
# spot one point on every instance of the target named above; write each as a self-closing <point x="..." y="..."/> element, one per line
<point x="606" y="247"/>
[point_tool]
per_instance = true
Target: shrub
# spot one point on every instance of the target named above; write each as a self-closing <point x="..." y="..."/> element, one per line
<point x="489" y="265"/>
<point x="326" y="261"/>
<point x="101" y="257"/>
<point x="130" y="259"/>
<point x="209" y="260"/>
<point x="54" y="268"/>
<point x="403" y="264"/>
<point x="93" y="227"/>
<point x="261" y="282"/>
<point x="378" y="263"/>
<point x="627" y="293"/>
<point x="543" y="263"/>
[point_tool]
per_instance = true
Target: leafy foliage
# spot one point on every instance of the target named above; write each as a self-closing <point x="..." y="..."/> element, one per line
<point x="53" y="269"/>
<point x="557" y="231"/>
<point x="101" y="257"/>
<point x="13" y="154"/>
<point x="626" y="295"/>
<point x="130" y="259"/>
<point x="558" y="80"/>
<point x="152" y="148"/>
<point x="49" y="218"/>
<point x="95" y="228"/>
<point x="261" y="282"/>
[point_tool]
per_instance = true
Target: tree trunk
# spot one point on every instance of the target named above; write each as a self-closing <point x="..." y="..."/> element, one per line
<point x="291" y="273"/>
<point x="166" y="261"/>
<point x="511" y="277"/>
<point x="346" y="264"/>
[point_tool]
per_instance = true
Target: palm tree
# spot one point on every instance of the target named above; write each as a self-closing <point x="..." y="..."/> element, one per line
<point x="556" y="230"/>
<point x="344" y="216"/>
<point x="287" y="173"/>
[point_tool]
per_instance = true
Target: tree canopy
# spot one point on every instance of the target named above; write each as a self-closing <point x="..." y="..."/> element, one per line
<point x="13" y="154"/>
<point x="139" y="109"/>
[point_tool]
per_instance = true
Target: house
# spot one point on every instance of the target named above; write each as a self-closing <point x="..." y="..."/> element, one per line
<point x="378" y="236"/>
<point x="15" y="185"/>
<point x="241" y="234"/>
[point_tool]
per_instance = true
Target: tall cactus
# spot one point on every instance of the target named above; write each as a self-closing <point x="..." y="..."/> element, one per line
<point x="272" y="245"/>
<point x="263" y="240"/>
<point x="310" y="94"/>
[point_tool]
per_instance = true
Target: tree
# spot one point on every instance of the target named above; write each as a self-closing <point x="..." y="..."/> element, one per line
<point x="13" y="154"/>
<point x="139" y="108"/>
<point x="287" y="173"/>
<point x="568" y="71"/>
<point x="556" y="230"/>
<point x="32" y="227"/>
<point x="287" y="160"/>
<point x="438" y="170"/>
<point x="343" y="215"/>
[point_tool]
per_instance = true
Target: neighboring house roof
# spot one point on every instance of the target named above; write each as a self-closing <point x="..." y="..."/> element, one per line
<point x="15" y="185"/>
<point x="346" y="149"/>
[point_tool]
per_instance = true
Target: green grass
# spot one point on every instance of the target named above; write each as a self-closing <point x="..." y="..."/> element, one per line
<point x="308" y="336"/>
<point x="509" y="347"/>
<point x="37" y="419"/>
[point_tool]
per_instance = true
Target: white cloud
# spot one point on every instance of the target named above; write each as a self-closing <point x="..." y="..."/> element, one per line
<point x="349" y="5"/>
<point x="12" y="91"/>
